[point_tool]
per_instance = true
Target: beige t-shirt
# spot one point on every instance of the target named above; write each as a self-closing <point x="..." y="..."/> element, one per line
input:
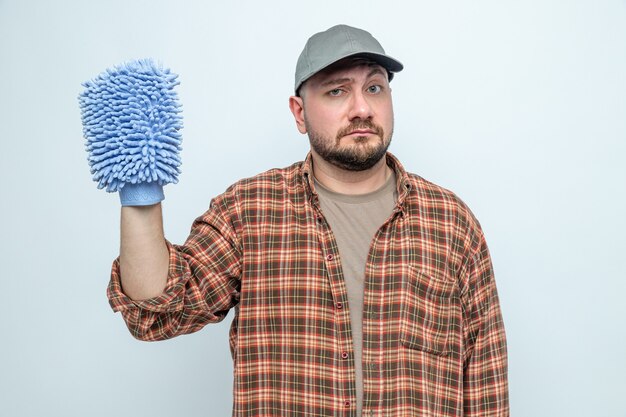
<point x="354" y="220"/>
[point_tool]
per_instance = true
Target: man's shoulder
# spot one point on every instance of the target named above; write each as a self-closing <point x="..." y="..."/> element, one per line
<point x="426" y="189"/>
<point x="424" y="194"/>
<point x="269" y="189"/>
<point x="274" y="177"/>
<point x="428" y="197"/>
<point x="271" y="184"/>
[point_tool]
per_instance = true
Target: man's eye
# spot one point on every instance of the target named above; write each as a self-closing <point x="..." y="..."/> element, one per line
<point x="374" y="89"/>
<point x="335" y="92"/>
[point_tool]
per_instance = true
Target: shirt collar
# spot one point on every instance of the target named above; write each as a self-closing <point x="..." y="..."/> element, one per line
<point x="403" y="183"/>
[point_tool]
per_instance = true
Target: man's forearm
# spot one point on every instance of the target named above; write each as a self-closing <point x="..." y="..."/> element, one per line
<point x="144" y="257"/>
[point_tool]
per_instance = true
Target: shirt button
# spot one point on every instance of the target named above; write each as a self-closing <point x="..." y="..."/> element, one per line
<point x="339" y="306"/>
<point x="347" y="403"/>
<point x="344" y="355"/>
<point x="319" y="219"/>
<point x="329" y="257"/>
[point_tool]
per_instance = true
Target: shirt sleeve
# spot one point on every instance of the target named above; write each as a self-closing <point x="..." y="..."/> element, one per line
<point x="485" y="382"/>
<point x="203" y="281"/>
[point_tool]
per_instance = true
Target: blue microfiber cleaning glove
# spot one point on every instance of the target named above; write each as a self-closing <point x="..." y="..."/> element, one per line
<point x="131" y="121"/>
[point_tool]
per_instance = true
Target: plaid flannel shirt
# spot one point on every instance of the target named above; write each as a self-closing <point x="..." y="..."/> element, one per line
<point x="433" y="337"/>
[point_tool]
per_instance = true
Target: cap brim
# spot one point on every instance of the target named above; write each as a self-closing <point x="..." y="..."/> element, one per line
<point x="392" y="65"/>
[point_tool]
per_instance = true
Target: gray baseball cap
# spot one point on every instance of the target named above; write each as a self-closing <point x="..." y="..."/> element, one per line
<point x="325" y="48"/>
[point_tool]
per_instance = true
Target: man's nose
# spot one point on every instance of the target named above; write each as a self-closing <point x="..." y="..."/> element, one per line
<point x="360" y="106"/>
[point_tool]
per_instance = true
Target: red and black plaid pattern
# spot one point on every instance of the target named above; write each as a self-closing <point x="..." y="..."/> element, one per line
<point x="433" y="336"/>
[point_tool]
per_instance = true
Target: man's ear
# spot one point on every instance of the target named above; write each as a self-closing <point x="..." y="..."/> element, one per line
<point x="296" y="105"/>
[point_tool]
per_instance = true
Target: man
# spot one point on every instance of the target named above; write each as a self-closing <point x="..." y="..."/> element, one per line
<point x="358" y="288"/>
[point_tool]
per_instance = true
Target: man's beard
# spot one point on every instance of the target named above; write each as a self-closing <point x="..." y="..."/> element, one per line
<point x="356" y="157"/>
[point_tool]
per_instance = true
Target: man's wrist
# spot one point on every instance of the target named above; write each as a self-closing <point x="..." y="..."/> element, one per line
<point x="141" y="194"/>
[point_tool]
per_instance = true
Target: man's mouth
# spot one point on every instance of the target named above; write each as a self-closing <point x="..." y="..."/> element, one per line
<point x="360" y="129"/>
<point x="362" y="132"/>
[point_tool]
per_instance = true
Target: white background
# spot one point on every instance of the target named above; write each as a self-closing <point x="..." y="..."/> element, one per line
<point x="517" y="106"/>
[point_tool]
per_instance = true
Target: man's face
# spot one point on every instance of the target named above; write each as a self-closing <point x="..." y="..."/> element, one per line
<point x="348" y="114"/>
